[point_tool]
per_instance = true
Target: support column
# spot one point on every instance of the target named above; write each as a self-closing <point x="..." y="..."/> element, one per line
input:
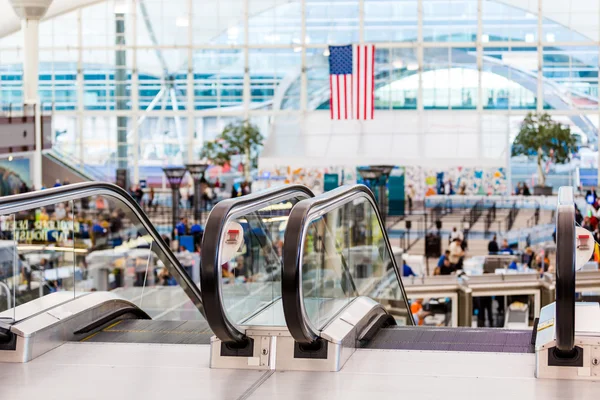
<point x="121" y="89"/>
<point x="30" y="90"/>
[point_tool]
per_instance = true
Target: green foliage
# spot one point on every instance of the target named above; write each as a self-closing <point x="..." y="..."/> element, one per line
<point x="540" y="136"/>
<point x="238" y="138"/>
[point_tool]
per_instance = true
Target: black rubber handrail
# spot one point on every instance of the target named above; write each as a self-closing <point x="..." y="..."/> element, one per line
<point x="211" y="265"/>
<point x="565" y="270"/>
<point x="27" y="201"/>
<point x="293" y="246"/>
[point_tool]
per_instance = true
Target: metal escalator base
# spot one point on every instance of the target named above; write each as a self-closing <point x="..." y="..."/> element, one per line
<point x="453" y="339"/>
<point x="148" y="331"/>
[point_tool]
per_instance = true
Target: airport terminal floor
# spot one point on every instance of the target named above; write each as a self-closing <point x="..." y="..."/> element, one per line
<point x="299" y="199"/>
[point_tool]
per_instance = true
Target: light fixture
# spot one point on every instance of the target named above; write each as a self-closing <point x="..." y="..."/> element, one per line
<point x="529" y="37"/>
<point x="326" y="52"/>
<point x="412" y="67"/>
<point x="121" y="7"/>
<point x="485" y="38"/>
<point x="10" y="158"/>
<point x="297" y="49"/>
<point x="182" y="22"/>
<point x="550" y="37"/>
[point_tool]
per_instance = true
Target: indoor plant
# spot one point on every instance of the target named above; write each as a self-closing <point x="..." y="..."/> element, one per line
<point x="240" y="138"/>
<point x="547" y="140"/>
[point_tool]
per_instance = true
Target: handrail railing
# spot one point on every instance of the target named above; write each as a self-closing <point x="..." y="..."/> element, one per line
<point x="490" y="217"/>
<point x="565" y="270"/>
<point x="41" y="198"/>
<point x="511" y="217"/>
<point x="300" y="218"/>
<point x="211" y="266"/>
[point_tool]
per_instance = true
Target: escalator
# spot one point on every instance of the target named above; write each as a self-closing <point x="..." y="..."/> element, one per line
<point x="81" y="263"/>
<point x="354" y="303"/>
<point x="242" y="265"/>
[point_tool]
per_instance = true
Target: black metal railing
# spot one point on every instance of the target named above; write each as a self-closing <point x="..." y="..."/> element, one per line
<point x="474" y="214"/>
<point x="490" y="217"/>
<point x="511" y="217"/>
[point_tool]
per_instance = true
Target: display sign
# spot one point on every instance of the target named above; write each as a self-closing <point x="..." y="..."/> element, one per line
<point x="330" y="182"/>
<point x="396" y="194"/>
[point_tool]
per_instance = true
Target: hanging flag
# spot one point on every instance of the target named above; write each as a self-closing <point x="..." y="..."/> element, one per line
<point x="596" y="252"/>
<point x="352" y="81"/>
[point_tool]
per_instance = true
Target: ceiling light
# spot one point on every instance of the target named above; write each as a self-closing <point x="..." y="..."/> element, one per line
<point x="529" y="37"/>
<point x="183" y="22"/>
<point x="485" y="38"/>
<point x="550" y="37"/>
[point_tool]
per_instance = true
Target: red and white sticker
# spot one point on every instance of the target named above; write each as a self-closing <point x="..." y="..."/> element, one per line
<point x="585" y="246"/>
<point x="231" y="241"/>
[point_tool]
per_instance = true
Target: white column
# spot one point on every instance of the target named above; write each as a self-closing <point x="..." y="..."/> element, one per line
<point x="246" y="93"/>
<point x="191" y="120"/>
<point x="30" y="90"/>
<point x="31" y="60"/>
<point x="303" y="78"/>
<point x="420" y="53"/>
<point x="80" y="91"/>
<point x="540" y="49"/>
<point x="135" y="95"/>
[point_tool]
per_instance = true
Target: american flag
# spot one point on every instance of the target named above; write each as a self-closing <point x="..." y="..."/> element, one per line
<point x="352" y="81"/>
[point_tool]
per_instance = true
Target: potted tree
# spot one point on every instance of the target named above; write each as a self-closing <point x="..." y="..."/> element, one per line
<point x="240" y="138"/>
<point x="547" y="140"/>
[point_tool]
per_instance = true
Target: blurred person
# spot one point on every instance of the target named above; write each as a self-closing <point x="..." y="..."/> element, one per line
<point x="245" y="188"/>
<point x="182" y="226"/>
<point x="57" y="183"/>
<point x="23" y="188"/>
<point x="43" y="215"/>
<point x="66" y="182"/>
<point x="183" y="196"/>
<point x="587" y="224"/>
<point x="416" y="309"/>
<point x="445" y="256"/>
<point x="447" y="268"/>
<point x="525" y="190"/>
<point x="151" y="198"/>
<point x="240" y="272"/>
<point x="60" y="212"/>
<point x="456" y="254"/>
<point x="456" y="234"/>
<point x="410" y="195"/>
<point x="186" y="260"/>
<point x="234" y="192"/>
<point x="506" y="248"/>
<point x="139" y="194"/>
<point x="493" y="246"/>
<point x="528" y="257"/>
<point x="407" y="270"/>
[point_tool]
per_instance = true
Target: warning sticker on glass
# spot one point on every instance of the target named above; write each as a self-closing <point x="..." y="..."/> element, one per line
<point x="231" y="241"/>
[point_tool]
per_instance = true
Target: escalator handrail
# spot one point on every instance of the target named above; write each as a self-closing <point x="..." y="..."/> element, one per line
<point x="211" y="264"/>
<point x="41" y="198"/>
<point x="299" y="220"/>
<point x="565" y="270"/>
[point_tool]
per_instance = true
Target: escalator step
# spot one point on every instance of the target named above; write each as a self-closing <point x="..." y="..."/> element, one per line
<point x="453" y="339"/>
<point x="148" y="331"/>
